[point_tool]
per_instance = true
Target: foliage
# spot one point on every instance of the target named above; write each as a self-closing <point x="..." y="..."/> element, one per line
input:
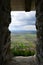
<point x="23" y="44"/>
<point x="22" y="50"/>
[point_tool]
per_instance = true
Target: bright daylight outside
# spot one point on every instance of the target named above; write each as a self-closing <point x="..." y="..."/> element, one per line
<point x="23" y="33"/>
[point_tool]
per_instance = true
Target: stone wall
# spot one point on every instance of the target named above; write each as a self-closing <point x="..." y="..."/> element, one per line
<point x="39" y="27"/>
<point x="4" y="32"/>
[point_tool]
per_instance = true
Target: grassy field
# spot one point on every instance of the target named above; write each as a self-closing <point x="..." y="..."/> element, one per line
<point x="23" y="42"/>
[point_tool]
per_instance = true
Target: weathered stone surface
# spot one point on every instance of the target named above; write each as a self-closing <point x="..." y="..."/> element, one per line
<point x="4" y="32"/>
<point x="39" y="27"/>
<point x="20" y="60"/>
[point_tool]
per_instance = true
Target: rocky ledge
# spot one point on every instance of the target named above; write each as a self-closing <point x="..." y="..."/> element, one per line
<point x="20" y="60"/>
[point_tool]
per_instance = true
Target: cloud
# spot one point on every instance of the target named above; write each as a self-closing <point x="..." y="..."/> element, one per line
<point x="30" y="27"/>
<point x="26" y="17"/>
<point x="21" y="20"/>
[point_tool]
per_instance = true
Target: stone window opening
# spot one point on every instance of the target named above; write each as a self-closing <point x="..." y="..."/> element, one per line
<point x="22" y="24"/>
<point x="5" y="20"/>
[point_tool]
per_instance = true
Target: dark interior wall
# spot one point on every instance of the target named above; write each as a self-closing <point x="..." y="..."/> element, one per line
<point x="22" y="5"/>
<point x="39" y="27"/>
<point x="4" y="32"/>
<point x="17" y="5"/>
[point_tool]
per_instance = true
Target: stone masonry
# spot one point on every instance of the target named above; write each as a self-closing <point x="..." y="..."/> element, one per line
<point x="4" y="32"/>
<point x="5" y="20"/>
<point x="39" y="27"/>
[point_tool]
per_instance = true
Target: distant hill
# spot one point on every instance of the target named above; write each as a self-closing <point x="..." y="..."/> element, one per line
<point x="18" y="32"/>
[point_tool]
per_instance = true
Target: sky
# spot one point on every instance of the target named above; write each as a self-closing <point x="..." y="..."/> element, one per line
<point x="21" y="20"/>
